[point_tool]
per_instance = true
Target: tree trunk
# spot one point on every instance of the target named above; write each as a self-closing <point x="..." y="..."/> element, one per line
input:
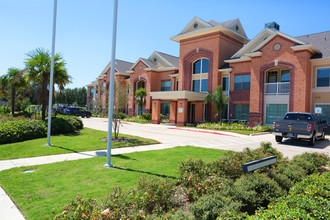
<point x="13" y="92"/>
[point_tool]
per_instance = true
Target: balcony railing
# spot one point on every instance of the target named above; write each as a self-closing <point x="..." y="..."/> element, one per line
<point x="279" y="88"/>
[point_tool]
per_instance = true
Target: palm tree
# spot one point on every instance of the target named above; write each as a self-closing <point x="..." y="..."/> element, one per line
<point x="218" y="100"/>
<point x="38" y="66"/>
<point x="140" y="95"/>
<point x="15" y="79"/>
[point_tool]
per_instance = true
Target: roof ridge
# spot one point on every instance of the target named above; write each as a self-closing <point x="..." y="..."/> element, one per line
<point x="313" y="33"/>
<point x="166" y="54"/>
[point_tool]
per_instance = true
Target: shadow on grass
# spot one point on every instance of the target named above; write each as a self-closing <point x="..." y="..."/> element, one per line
<point x="145" y="172"/>
<point x="73" y="134"/>
<point x="301" y="143"/>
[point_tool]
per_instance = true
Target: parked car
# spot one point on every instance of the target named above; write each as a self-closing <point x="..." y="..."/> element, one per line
<point x="300" y="125"/>
<point x="60" y="108"/>
<point x="77" y="111"/>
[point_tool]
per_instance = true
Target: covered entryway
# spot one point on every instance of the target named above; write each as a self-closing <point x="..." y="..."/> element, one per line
<point x="185" y="106"/>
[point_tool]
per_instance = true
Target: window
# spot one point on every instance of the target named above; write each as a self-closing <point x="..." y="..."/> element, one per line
<point x="196" y="85"/>
<point x="225" y="83"/>
<point x="91" y="92"/>
<point x="241" y="111"/>
<point x="177" y="85"/>
<point x="242" y="82"/>
<point x="323" y="77"/>
<point x="166" y="86"/>
<point x="165" y="108"/>
<point x="285" y="76"/>
<point x="325" y="115"/>
<point x="200" y="75"/>
<point x="275" y="111"/>
<point x="272" y="77"/>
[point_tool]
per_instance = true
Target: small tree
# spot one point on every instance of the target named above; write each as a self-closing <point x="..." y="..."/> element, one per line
<point x="218" y="99"/>
<point x="15" y="79"/>
<point x="140" y="95"/>
<point x="120" y="103"/>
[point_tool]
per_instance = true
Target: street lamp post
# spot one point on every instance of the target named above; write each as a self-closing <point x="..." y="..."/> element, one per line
<point x="112" y="77"/>
<point x="50" y="104"/>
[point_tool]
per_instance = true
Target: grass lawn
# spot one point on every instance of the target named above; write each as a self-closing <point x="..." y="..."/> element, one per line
<point x="85" y="140"/>
<point x="44" y="193"/>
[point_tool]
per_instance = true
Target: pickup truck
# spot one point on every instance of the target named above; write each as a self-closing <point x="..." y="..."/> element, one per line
<point x="300" y="125"/>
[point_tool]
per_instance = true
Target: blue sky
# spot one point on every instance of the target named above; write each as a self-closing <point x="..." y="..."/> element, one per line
<point x="84" y="27"/>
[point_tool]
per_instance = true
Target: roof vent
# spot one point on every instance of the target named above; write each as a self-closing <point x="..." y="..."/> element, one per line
<point x="272" y="25"/>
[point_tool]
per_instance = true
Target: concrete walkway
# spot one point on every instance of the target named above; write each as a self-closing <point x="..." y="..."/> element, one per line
<point x="169" y="136"/>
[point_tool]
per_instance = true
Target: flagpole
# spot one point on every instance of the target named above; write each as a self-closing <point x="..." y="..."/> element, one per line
<point x="112" y="77"/>
<point x="50" y="104"/>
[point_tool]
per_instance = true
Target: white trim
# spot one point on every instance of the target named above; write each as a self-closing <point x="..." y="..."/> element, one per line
<point x="242" y="59"/>
<point x="195" y="20"/>
<point x="140" y="59"/>
<point x="166" y="61"/>
<point x="321" y="87"/>
<point x="162" y="69"/>
<point x="247" y="46"/>
<point x="225" y="70"/>
<point x="254" y="54"/>
<point x="181" y="94"/>
<point x="308" y="47"/>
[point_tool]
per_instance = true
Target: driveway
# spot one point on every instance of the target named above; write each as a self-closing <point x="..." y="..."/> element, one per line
<point x="182" y="136"/>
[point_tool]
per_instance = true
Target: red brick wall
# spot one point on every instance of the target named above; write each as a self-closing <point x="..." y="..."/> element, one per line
<point x="300" y="71"/>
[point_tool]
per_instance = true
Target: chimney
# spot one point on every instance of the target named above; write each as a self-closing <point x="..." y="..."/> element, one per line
<point x="272" y="25"/>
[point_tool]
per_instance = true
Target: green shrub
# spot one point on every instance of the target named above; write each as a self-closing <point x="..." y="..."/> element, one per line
<point x="120" y="115"/>
<point x="4" y="110"/>
<point x="293" y="172"/>
<point x="255" y="190"/>
<point x="308" y="199"/>
<point x="209" y="207"/>
<point x="283" y="181"/>
<point x="146" y="117"/>
<point x="233" y="126"/>
<point x="15" y="131"/>
<point x="153" y="196"/>
<point x="137" y="119"/>
<point x="311" y="162"/>
<point x="21" y="130"/>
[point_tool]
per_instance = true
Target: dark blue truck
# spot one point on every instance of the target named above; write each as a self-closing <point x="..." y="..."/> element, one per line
<point x="300" y="125"/>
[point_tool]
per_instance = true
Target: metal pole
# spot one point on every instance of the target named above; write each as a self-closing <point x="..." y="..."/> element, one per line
<point x="112" y="79"/>
<point x="50" y="104"/>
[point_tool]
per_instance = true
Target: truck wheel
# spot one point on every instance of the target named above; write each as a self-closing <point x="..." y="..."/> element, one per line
<point x="278" y="139"/>
<point x="312" y="141"/>
<point x="88" y="116"/>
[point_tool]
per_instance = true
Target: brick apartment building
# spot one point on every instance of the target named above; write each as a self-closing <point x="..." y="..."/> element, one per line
<point x="264" y="77"/>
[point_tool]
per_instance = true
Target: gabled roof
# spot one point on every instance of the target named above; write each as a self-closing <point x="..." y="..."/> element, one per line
<point x="263" y="38"/>
<point x="198" y="27"/>
<point x="319" y="40"/>
<point x="121" y="66"/>
<point x="159" y="61"/>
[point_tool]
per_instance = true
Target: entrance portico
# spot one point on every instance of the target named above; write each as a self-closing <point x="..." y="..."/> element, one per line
<point x="185" y="106"/>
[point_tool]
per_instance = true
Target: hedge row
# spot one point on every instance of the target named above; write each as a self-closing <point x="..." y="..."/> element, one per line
<point x="309" y="199"/>
<point x="16" y="131"/>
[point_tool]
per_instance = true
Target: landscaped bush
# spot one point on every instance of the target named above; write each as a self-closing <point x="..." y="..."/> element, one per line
<point x="21" y="130"/>
<point x="255" y="190"/>
<point x="138" y="119"/>
<point x="310" y="162"/>
<point x="152" y="196"/>
<point x="209" y="207"/>
<point x="308" y="199"/>
<point x="4" y="110"/>
<point x="233" y="126"/>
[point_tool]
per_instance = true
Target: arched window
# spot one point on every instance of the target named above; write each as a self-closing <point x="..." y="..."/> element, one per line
<point x="200" y="75"/>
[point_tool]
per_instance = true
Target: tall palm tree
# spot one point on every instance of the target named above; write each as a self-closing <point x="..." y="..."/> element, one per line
<point x="15" y="79"/>
<point x="140" y="95"/>
<point x="38" y="66"/>
<point x="218" y="99"/>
